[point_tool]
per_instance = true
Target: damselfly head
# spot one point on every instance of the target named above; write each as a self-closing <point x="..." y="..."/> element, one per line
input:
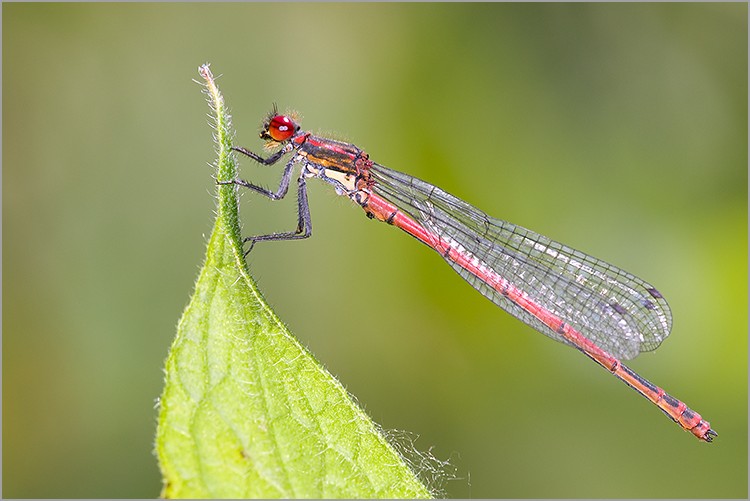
<point x="278" y="128"/>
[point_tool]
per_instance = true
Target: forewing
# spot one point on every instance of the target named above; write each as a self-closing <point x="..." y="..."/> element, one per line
<point x="619" y="312"/>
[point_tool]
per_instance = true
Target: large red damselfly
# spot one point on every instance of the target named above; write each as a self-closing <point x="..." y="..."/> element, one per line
<point x="599" y="309"/>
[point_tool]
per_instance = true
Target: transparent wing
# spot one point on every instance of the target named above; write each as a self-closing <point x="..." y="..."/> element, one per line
<point x="619" y="312"/>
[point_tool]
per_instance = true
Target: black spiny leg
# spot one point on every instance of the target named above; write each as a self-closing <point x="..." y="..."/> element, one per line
<point x="304" y="223"/>
<point x="265" y="161"/>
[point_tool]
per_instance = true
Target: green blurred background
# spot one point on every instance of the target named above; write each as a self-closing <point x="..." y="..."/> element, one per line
<point x="620" y="130"/>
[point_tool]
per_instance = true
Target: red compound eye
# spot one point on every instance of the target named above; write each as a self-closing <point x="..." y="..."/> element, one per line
<point x="281" y="128"/>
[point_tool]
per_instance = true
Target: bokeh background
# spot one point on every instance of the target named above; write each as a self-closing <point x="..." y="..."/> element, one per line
<point x="620" y="130"/>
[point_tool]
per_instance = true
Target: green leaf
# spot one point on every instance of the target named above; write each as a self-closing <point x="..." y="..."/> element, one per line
<point x="246" y="410"/>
